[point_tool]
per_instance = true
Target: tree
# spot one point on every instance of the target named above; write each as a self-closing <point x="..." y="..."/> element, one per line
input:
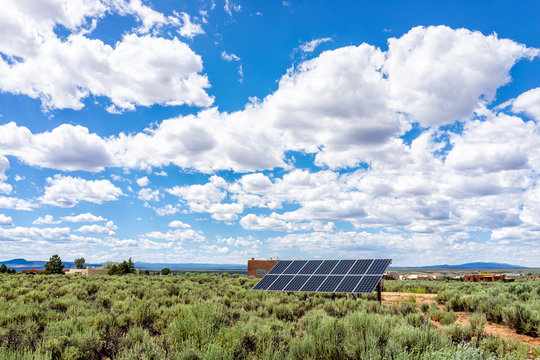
<point x="165" y="271"/>
<point x="54" y="265"/>
<point x="3" y="268"/>
<point x="79" y="263"/>
<point x="126" y="267"/>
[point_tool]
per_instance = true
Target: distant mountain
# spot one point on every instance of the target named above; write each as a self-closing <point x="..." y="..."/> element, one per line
<point x="476" y="265"/>
<point x="196" y="267"/>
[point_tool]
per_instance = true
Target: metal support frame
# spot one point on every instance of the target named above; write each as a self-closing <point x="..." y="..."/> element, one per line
<point x="379" y="292"/>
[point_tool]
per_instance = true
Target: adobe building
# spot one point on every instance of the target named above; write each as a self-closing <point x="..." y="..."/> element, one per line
<point x="484" y="277"/>
<point x="259" y="268"/>
<point x="89" y="271"/>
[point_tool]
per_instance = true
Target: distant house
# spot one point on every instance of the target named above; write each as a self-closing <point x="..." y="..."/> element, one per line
<point x="89" y="271"/>
<point x="259" y="268"/>
<point x="391" y="275"/>
<point x="484" y="277"/>
<point x="33" y="271"/>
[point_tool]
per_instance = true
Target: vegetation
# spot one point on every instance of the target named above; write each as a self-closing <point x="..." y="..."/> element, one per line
<point x="126" y="267"/>
<point x="210" y="316"/>
<point x="54" y="265"/>
<point x="79" y="263"/>
<point x="165" y="271"/>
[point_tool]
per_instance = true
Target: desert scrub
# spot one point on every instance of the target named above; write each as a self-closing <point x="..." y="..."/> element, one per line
<point x="209" y="316"/>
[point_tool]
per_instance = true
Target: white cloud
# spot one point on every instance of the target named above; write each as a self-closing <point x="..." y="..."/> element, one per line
<point x="4" y="165"/>
<point x="6" y="220"/>
<point x="86" y="217"/>
<point x="179" y="224"/>
<point x="63" y="72"/>
<point x="230" y="7"/>
<point x="166" y="210"/>
<point x="161" y="173"/>
<point x="439" y="75"/>
<point x="189" y="29"/>
<point x="33" y="234"/>
<point x="67" y="191"/>
<point x="229" y="57"/>
<point x="310" y="46"/>
<point x="177" y="235"/>
<point x="528" y="102"/>
<point x="107" y="229"/>
<point x="245" y="242"/>
<point x="47" y="219"/>
<point x="143" y="181"/>
<point x="148" y="194"/>
<point x="7" y="202"/>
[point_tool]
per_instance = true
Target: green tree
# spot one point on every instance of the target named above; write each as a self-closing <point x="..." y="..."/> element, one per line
<point x="126" y="267"/>
<point x="79" y="263"/>
<point x="165" y="271"/>
<point x="3" y="268"/>
<point x="54" y="265"/>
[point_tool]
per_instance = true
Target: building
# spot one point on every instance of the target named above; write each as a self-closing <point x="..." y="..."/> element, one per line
<point x="33" y="271"/>
<point x="484" y="277"/>
<point x="391" y="275"/>
<point x="259" y="268"/>
<point x="89" y="271"/>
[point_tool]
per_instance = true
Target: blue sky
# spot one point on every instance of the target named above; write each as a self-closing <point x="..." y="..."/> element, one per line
<point x="215" y="131"/>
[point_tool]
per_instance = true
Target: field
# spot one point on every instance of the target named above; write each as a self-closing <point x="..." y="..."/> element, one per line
<point x="217" y="316"/>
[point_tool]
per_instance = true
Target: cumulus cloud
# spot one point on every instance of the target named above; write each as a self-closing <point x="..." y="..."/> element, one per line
<point x="147" y="194"/>
<point x="106" y="229"/>
<point x="67" y="191"/>
<point x="86" y="217"/>
<point x="63" y="72"/>
<point x="179" y="224"/>
<point x="4" y="165"/>
<point x="189" y="29"/>
<point x="47" y="219"/>
<point x="143" y="181"/>
<point x="347" y="106"/>
<point x="8" y="202"/>
<point x="177" y="235"/>
<point x="6" y="220"/>
<point x="310" y="46"/>
<point x="229" y="57"/>
<point x="529" y="103"/>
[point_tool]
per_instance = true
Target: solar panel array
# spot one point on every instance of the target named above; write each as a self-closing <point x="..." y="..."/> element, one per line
<point x="330" y="276"/>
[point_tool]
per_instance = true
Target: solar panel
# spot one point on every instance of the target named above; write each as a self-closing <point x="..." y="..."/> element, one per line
<point x="296" y="283"/>
<point x="326" y="267"/>
<point x="379" y="266"/>
<point x="295" y="267"/>
<point x="333" y="276"/>
<point x="343" y="267"/>
<point x="367" y="284"/>
<point x="310" y="267"/>
<point x="281" y="282"/>
<point x="313" y="283"/>
<point x="280" y="267"/>
<point x="331" y="283"/>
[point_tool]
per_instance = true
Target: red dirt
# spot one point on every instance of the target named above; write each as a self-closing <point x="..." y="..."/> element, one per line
<point x="462" y="318"/>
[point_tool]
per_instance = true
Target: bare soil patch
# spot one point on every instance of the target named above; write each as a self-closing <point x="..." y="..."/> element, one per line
<point x="462" y="318"/>
<point x="399" y="297"/>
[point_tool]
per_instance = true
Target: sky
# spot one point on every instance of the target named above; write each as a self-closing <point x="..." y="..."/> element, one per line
<point x="213" y="131"/>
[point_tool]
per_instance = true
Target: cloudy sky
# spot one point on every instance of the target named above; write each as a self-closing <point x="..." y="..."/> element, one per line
<point x="218" y="130"/>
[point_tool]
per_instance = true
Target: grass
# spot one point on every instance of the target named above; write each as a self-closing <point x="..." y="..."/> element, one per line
<point x="218" y="316"/>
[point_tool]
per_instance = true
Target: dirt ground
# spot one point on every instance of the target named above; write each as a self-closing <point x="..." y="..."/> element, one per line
<point x="462" y="318"/>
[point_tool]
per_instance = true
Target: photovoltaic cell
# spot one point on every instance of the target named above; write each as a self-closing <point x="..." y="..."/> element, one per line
<point x="297" y="282"/>
<point x="330" y="284"/>
<point x="340" y="276"/>
<point x="360" y="267"/>
<point x="281" y="282"/>
<point x="326" y="267"/>
<point x="280" y="267"/>
<point x="343" y="267"/>
<point x="265" y="282"/>
<point x="310" y="267"/>
<point x="367" y="284"/>
<point x="313" y="283"/>
<point x="349" y="283"/>
<point x="379" y="266"/>
<point x="295" y="267"/>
